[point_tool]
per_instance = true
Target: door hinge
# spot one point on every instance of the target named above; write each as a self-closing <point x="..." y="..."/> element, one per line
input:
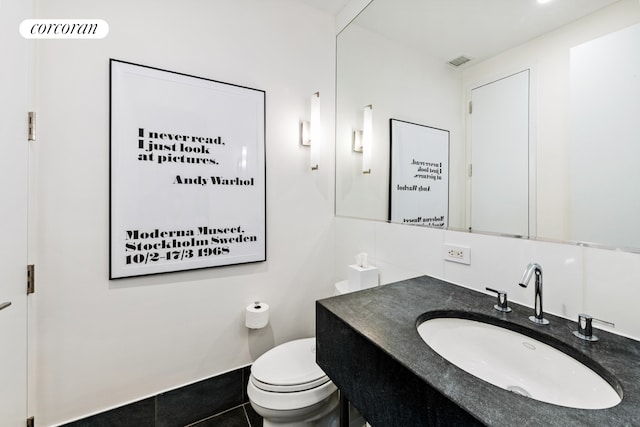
<point x="470" y="170"/>
<point x="31" y="279"/>
<point x="470" y="107"/>
<point x="31" y="422"/>
<point x="32" y="126"/>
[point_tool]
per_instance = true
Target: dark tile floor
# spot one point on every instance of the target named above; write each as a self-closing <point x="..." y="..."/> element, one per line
<point x="241" y="416"/>
<point x="205" y="403"/>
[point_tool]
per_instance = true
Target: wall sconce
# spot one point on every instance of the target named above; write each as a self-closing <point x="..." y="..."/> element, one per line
<point x="363" y="139"/>
<point x="367" y="139"/>
<point x="357" y="141"/>
<point x="310" y="134"/>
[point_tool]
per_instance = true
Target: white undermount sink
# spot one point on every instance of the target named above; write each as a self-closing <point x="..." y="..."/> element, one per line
<point x="517" y="363"/>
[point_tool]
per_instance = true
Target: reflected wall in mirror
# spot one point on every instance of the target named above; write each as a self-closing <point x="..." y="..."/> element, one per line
<point x="395" y="56"/>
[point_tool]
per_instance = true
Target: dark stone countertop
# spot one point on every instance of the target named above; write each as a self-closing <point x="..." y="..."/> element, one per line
<point x="368" y="344"/>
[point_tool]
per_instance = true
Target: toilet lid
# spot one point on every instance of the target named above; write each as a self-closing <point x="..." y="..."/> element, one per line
<point x="289" y="367"/>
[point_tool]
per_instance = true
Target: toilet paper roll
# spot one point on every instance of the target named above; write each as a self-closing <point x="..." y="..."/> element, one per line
<point x="257" y="315"/>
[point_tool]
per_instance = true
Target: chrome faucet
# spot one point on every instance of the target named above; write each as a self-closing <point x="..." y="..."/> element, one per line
<point x="535" y="268"/>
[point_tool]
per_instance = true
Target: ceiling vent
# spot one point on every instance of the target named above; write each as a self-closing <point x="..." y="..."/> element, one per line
<point x="459" y="61"/>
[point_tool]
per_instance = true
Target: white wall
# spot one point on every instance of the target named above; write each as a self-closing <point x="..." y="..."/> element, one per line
<point x="577" y="279"/>
<point x="605" y="88"/>
<point x="101" y="343"/>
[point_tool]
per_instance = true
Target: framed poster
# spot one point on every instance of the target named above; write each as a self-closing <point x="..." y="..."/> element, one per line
<point x="187" y="172"/>
<point x="419" y="175"/>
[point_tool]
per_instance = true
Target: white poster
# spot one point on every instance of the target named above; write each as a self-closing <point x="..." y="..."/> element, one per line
<point x="187" y="172"/>
<point x="419" y="192"/>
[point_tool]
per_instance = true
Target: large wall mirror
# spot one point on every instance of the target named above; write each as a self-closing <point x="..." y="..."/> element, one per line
<point x="542" y="118"/>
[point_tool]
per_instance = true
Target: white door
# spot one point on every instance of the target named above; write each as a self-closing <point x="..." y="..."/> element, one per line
<point x="14" y="74"/>
<point x="499" y="200"/>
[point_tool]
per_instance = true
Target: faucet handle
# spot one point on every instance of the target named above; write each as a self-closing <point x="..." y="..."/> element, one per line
<point x="585" y="327"/>
<point x="503" y="304"/>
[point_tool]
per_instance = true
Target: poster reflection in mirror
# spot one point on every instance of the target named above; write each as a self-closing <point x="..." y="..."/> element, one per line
<point x="419" y="165"/>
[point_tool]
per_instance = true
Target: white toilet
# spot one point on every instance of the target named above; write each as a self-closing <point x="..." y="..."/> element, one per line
<point x="288" y="389"/>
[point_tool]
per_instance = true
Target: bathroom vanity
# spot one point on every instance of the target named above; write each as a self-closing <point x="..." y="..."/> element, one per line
<point x="368" y="344"/>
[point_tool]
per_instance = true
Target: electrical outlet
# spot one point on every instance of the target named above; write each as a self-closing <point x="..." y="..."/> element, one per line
<point x="456" y="253"/>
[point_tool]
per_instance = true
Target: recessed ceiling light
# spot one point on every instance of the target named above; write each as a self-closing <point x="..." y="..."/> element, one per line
<point x="543" y="1"/>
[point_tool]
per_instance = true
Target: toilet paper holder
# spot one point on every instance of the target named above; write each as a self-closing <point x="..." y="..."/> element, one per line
<point x="256" y="315"/>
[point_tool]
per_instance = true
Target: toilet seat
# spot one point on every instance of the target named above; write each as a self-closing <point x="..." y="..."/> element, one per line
<point x="276" y="388"/>
<point x="294" y="401"/>
<point x="288" y="368"/>
<point x="287" y="378"/>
